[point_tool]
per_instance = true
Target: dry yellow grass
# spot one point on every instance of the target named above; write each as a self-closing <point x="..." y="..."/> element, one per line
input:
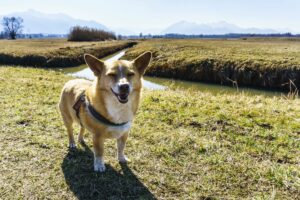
<point x="269" y="63"/>
<point x="23" y="47"/>
<point x="54" y="52"/>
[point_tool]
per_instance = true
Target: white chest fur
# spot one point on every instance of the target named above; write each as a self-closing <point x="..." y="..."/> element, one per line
<point x="118" y="131"/>
<point x="119" y="113"/>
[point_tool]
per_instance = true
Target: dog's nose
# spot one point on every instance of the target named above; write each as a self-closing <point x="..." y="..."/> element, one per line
<point x="124" y="87"/>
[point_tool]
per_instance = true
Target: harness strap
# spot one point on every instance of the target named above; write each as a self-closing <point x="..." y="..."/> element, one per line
<point x="77" y="105"/>
<point x="82" y="100"/>
<point x="96" y="115"/>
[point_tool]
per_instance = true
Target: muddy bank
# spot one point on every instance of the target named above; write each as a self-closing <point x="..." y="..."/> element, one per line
<point x="60" y="58"/>
<point x="229" y="72"/>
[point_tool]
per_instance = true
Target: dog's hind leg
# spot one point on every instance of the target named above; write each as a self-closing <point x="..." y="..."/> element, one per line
<point x="71" y="136"/>
<point x="69" y="125"/>
<point x="81" y="134"/>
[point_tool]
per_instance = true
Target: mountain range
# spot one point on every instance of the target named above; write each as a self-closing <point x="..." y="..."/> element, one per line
<point x="218" y="28"/>
<point x="38" y="22"/>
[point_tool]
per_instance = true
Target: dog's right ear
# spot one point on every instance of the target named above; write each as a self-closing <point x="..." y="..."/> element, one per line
<point x="94" y="63"/>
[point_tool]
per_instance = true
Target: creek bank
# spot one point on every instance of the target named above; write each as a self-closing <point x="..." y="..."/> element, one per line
<point x="59" y="58"/>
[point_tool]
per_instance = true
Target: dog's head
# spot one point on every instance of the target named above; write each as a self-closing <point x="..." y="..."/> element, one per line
<point x="120" y="78"/>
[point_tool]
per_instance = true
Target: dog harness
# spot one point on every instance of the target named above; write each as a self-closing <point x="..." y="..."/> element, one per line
<point x="83" y="101"/>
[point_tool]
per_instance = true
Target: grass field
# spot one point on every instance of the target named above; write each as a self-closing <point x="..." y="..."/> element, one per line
<point x="269" y="63"/>
<point x="55" y="52"/>
<point x="183" y="145"/>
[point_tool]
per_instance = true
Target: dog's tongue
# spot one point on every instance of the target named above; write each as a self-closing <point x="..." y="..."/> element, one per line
<point x="123" y="96"/>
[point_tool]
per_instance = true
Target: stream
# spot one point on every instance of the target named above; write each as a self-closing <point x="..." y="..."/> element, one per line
<point x="155" y="83"/>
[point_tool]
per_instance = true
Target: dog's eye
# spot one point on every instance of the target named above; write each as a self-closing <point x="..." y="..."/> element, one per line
<point x="112" y="75"/>
<point x="130" y="74"/>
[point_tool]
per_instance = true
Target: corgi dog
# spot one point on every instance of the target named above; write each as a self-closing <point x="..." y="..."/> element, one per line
<point x="105" y="106"/>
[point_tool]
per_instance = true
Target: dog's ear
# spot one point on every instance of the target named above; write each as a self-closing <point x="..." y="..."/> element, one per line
<point x="94" y="63"/>
<point x="142" y="62"/>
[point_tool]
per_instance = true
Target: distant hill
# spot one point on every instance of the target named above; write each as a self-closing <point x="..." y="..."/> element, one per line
<point x="189" y="28"/>
<point x="38" y="22"/>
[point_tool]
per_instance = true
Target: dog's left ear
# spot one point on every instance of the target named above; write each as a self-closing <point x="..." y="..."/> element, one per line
<point x="142" y="62"/>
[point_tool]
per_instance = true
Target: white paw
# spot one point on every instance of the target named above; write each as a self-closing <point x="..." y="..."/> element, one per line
<point x="72" y="145"/>
<point x="99" y="165"/>
<point x="123" y="159"/>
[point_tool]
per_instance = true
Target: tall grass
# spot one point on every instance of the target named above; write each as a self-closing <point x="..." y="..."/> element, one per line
<point x="78" y="33"/>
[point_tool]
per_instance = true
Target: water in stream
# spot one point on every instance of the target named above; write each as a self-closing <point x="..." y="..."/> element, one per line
<point x="83" y="71"/>
<point x="155" y="83"/>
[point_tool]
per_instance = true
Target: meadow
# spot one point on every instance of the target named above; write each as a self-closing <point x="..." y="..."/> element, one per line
<point x="183" y="145"/>
<point x="258" y="62"/>
<point x="53" y="53"/>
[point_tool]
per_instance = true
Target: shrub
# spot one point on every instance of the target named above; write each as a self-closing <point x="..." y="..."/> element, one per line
<point x="78" y="33"/>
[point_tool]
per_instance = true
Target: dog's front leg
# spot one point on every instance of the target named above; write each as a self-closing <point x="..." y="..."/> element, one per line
<point x="98" y="143"/>
<point x="121" y="143"/>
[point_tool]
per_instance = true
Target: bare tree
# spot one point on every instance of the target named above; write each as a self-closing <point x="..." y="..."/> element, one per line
<point x="12" y="26"/>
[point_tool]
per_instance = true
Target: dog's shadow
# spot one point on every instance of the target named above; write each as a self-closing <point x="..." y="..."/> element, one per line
<point x="77" y="167"/>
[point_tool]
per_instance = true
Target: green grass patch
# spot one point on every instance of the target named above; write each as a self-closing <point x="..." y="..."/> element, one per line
<point x="268" y="63"/>
<point x="183" y="145"/>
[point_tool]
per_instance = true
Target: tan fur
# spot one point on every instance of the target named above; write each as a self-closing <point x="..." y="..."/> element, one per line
<point x="99" y="94"/>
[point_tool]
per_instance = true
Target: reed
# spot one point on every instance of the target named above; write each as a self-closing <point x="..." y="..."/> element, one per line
<point x="78" y="33"/>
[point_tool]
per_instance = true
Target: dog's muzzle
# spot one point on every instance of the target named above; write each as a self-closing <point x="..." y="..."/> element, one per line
<point x="123" y="94"/>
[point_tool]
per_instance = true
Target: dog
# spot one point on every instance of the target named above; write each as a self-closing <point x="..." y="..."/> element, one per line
<point x="105" y="106"/>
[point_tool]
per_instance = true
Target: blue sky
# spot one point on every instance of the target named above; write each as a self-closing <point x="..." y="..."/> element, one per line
<point x="157" y="14"/>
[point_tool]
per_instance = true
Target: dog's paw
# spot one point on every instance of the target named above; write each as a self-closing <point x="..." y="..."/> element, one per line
<point x="81" y="141"/>
<point x="99" y="168"/>
<point x="123" y="159"/>
<point x="99" y="165"/>
<point x="72" y="145"/>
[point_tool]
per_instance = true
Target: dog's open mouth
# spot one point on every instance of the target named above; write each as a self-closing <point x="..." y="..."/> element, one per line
<point x="122" y="97"/>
